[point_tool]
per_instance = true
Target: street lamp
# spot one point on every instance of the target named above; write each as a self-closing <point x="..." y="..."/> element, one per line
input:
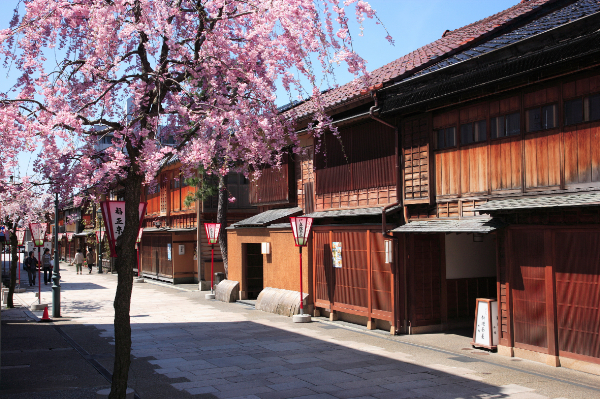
<point x="20" y="242"/>
<point x="56" y="270"/>
<point x="37" y="233"/>
<point x="212" y="233"/>
<point x="100" y="241"/>
<point x="301" y="229"/>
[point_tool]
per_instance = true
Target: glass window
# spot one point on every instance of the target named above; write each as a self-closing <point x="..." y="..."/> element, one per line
<point x="541" y="118"/>
<point x="594" y="107"/>
<point x="473" y="132"/>
<point x="574" y="111"/>
<point x="479" y="131"/>
<point x="497" y="127"/>
<point x="513" y="124"/>
<point x="466" y="133"/>
<point x="446" y="138"/>
<point x="534" y="120"/>
<point x="549" y="116"/>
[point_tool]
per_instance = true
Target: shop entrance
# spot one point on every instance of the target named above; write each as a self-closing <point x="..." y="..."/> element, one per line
<point x="254" y="270"/>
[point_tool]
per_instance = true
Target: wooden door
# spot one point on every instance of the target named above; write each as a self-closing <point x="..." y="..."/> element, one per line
<point x="146" y="254"/>
<point x="382" y="277"/>
<point x="425" y="277"/>
<point x="577" y="270"/>
<point x="529" y="289"/>
<point x="254" y="270"/>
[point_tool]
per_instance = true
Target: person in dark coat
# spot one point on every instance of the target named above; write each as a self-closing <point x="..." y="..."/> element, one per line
<point x="31" y="264"/>
<point x="47" y="265"/>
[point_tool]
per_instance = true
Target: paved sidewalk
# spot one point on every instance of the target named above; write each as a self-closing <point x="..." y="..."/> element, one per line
<point x="186" y="346"/>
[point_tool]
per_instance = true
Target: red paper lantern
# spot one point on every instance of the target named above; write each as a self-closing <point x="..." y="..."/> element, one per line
<point x="212" y="232"/>
<point x="37" y="232"/>
<point x="301" y="229"/>
<point x="21" y="237"/>
<point x="100" y="236"/>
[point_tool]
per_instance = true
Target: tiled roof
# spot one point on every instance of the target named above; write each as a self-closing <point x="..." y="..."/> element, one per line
<point x="472" y="225"/>
<point x="549" y="201"/>
<point x="85" y="233"/>
<point x="427" y="54"/>
<point x="169" y="230"/>
<point x="375" y="211"/>
<point x="562" y="16"/>
<point x="267" y="217"/>
<point x="280" y="226"/>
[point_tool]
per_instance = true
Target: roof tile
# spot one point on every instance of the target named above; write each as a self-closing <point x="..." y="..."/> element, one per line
<point x="417" y="58"/>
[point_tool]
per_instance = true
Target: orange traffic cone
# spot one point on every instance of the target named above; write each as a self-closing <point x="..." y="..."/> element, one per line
<point x="45" y="316"/>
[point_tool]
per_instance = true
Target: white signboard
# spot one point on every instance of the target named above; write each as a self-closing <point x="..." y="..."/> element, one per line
<point x="181" y="249"/>
<point x="168" y="251"/>
<point x="48" y="245"/>
<point x="486" y="324"/>
<point x="29" y="246"/>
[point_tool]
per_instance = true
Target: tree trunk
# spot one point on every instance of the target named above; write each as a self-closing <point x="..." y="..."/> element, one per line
<point x="14" y="260"/>
<point x="126" y="261"/>
<point x="222" y="218"/>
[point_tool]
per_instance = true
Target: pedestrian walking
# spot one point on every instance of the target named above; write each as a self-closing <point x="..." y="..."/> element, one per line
<point x="90" y="258"/>
<point x="79" y="261"/>
<point x="31" y="264"/>
<point x="47" y="265"/>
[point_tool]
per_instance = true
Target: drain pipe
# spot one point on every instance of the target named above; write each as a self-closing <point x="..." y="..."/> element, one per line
<point x="396" y="164"/>
<point x="398" y="199"/>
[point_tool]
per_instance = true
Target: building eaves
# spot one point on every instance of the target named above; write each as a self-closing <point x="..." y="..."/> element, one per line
<point x="470" y="225"/>
<point x="548" y="201"/>
<point x="564" y="15"/>
<point x="85" y="233"/>
<point x="428" y="55"/>
<point x="264" y="218"/>
<point x="528" y="60"/>
<point x="374" y="211"/>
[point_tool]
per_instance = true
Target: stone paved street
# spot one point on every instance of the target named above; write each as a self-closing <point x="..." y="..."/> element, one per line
<point x="186" y="346"/>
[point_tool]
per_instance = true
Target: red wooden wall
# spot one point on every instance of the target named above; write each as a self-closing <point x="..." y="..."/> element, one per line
<point x="563" y="157"/>
<point x="364" y="285"/>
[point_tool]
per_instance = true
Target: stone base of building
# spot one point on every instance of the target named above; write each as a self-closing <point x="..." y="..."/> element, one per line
<point x="434" y="328"/>
<point x="550" y="360"/>
<point x="372" y="324"/>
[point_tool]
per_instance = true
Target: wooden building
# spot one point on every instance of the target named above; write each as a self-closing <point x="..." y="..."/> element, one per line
<point x="476" y="158"/>
<point x="174" y="246"/>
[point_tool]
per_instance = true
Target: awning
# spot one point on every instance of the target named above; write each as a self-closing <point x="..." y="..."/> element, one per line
<point x="548" y="201"/>
<point x="168" y="230"/>
<point x="470" y="225"/>
<point x="374" y="211"/>
<point x="267" y="217"/>
<point x="85" y="233"/>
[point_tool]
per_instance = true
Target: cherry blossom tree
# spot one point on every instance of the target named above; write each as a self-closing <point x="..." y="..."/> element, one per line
<point x="197" y="73"/>
<point x="21" y="203"/>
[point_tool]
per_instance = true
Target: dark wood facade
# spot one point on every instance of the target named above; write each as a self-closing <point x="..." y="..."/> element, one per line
<point x="169" y="223"/>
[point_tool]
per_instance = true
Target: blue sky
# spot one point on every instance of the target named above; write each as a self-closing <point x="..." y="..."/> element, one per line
<point x="412" y="24"/>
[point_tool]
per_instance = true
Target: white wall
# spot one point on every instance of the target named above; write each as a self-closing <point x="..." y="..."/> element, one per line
<point x="465" y="258"/>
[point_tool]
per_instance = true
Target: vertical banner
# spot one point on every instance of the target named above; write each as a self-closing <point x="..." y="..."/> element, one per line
<point x="113" y="213"/>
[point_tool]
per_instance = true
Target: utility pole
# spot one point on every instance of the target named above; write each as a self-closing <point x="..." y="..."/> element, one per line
<point x="55" y="270"/>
